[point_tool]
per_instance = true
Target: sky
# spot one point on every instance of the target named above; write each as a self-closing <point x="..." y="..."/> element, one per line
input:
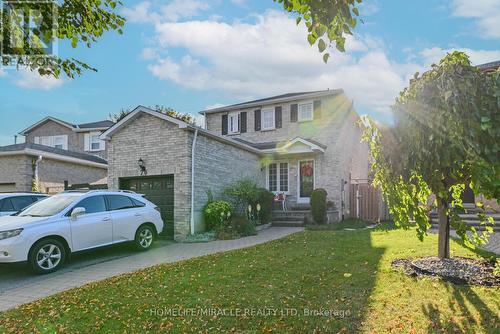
<point x="196" y="54"/>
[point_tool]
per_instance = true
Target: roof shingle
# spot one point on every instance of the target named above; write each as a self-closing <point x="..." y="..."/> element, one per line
<point x="53" y="150"/>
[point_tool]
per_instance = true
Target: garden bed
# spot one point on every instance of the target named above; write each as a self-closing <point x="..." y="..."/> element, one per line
<point x="458" y="270"/>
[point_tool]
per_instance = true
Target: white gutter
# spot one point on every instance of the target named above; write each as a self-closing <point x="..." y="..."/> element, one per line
<point x="193" y="148"/>
<point x="47" y="155"/>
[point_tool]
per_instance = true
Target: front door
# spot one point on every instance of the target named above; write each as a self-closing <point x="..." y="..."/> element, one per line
<point x="306" y="180"/>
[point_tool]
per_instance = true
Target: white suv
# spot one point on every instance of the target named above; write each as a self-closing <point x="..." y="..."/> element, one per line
<point x="47" y="232"/>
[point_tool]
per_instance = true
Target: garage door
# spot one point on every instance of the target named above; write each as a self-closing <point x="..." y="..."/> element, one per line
<point x="160" y="191"/>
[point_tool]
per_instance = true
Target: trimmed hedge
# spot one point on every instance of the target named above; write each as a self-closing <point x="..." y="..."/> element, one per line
<point x="318" y="205"/>
<point x="266" y="201"/>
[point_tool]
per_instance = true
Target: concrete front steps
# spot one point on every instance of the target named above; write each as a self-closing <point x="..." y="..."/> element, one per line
<point x="293" y="218"/>
<point x="472" y="220"/>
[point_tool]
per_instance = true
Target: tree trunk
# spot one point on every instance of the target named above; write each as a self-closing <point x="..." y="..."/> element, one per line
<point x="444" y="230"/>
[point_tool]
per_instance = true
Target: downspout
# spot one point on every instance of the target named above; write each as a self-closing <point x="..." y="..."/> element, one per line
<point x="192" y="179"/>
<point x="35" y="186"/>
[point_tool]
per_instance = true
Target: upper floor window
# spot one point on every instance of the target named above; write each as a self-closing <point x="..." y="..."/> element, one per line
<point x="306" y="111"/>
<point x="60" y="142"/>
<point x="268" y="119"/>
<point x="233" y="122"/>
<point x="93" y="142"/>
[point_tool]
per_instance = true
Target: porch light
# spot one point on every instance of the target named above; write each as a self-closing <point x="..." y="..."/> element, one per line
<point x="142" y="166"/>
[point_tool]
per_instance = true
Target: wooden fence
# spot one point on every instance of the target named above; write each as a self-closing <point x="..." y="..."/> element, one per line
<point x="366" y="203"/>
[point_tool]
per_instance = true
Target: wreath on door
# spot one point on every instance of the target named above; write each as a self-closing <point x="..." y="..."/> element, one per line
<point x="306" y="170"/>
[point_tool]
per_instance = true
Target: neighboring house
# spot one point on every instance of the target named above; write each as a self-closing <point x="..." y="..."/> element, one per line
<point x="290" y="143"/>
<point x="55" y="152"/>
<point x="54" y="132"/>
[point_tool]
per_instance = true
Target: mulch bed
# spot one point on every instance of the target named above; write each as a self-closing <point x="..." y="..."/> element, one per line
<point x="458" y="270"/>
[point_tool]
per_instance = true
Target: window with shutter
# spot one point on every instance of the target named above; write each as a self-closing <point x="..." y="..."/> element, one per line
<point x="268" y="119"/>
<point x="305" y="112"/>
<point x="234" y="123"/>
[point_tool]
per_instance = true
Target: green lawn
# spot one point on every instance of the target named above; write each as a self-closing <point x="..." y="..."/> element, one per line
<point x="345" y="272"/>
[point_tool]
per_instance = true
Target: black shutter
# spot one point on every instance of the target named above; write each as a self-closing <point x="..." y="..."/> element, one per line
<point x="224" y="124"/>
<point x="294" y="113"/>
<point x="317" y="109"/>
<point x="243" y="121"/>
<point x="277" y="117"/>
<point x="257" y="120"/>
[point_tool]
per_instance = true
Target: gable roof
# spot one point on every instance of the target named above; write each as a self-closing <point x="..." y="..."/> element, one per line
<point x="54" y="153"/>
<point x="490" y="67"/>
<point x="280" y="145"/>
<point x="275" y="99"/>
<point x="107" y="135"/>
<point x="100" y="125"/>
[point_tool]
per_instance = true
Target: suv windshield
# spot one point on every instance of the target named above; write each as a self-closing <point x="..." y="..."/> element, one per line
<point x="48" y="207"/>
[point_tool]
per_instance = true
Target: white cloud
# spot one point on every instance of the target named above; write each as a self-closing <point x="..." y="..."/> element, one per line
<point x="2" y="73"/>
<point x="477" y="57"/>
<point x="145" y="11"/>
<point x="368" y="8"/>
<point x="140" y="13"/>
<point x="32" y="80"/>
<point x="183" y="8"/>
<point x="149" y="54"/>
<point x="486" y="12"/>
<point x="271" y="56"/>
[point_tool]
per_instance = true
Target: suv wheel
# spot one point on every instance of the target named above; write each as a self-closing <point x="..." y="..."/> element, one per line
<point x="47" y="256"/>
<point x="144" y="237"/>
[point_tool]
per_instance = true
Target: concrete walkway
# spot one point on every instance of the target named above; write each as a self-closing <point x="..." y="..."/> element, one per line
<point x="18" y="286"/>
<point x="493" y="244"/>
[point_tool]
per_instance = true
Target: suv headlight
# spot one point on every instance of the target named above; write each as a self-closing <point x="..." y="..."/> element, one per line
<point x="10" y="233"/>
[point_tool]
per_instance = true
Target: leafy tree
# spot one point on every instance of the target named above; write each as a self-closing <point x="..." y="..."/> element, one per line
<point x="78" y="22"/>
<point x="188" y="118"/>
<point x="445" y="138"/>
<point x="327" y="21"/>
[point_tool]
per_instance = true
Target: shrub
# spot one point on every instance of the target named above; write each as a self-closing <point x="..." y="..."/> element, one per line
<point x="216" y="214"/>
<point x="266" y="201"/>
<point x="318" y="205"/>
<point x="241" y="194"/>
<point x="243" y="226"/>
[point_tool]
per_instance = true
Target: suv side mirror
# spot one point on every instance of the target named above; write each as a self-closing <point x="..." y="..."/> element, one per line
<point x="77" y="212"/>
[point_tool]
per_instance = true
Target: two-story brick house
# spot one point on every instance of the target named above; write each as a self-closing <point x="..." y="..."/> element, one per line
<point x="291" y="143"/>
<point x="55" y="152"/>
